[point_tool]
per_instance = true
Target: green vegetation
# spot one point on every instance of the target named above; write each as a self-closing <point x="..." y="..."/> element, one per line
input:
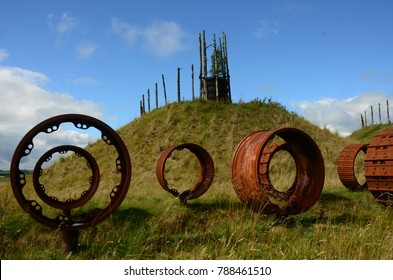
<point x="151" y="224"/>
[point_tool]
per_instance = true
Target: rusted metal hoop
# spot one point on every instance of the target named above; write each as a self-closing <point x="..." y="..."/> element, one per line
<point x="70" y="203"/>
<point x="65" y="221"/>
<point x="378" y="167"/>
<point x="346" y="167"/>
<point x="247" y="168"/>
<point x="206" y="172"/>
<point x="268" y="152"/>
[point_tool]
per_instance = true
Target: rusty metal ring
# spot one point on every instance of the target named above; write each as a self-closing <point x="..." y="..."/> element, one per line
<point x="247" y="168"/>
<point x="346" y="166"/>
<point x="268" y="152"/>
<point x="85" y="196"/>
<point x="206" y="172"/>
<point x="65" y="221"/>
<point x="378" y="167"/>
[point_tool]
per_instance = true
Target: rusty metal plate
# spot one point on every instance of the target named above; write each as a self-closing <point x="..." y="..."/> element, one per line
<point x="65" y="221"/>
<point x="250" y="171"/>
<point x="346" y="166"/>
<point x="378" y="167"/>
<point x="206" y="172"/>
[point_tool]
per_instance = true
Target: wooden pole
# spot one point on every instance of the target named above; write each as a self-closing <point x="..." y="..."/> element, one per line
<point x="362" y="120"/>
<point x="372" y="115"/>
<point x="226" y="64"/>
<point x="379" y="113"/>
<point x="143" y="103"/>
<point x="141" y="107"/>
<point x="204" y="66"/>
<point x="148" y="100"/>
<point x="200" y="67"/>
<point x="192" y="82"/>
<point x="178" y="84"/>
<point x="156" y="95"/>
<point x="215" y="67"/>
<point x="387" y="110"/>
<point x="163" y="84"/>
<point x="365" y="117"/>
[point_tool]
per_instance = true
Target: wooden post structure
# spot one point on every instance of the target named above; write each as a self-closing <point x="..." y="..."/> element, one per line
<point x="215" y="66"/>
<point x="192" y="82"/>
<point x="365" y="117"/>
<point x="163" y="84"/>
<point x="141" y="107"/>
<point x="143" y="103"/>
<point x="387" y="110"/>
<point x="204" y="66"/>
<point x="178" y="84"/>
<point x="362" y="120"/>
<point x="200" y="67"/>
<point x="156" y="96"/>
<point x="379" y="113"/>
<point x="372" y="115"/>
<point x="148" y="100"/>
<point x="225" y="47"/>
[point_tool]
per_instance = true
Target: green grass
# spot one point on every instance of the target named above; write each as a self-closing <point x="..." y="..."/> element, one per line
<point x="151" y="224"/>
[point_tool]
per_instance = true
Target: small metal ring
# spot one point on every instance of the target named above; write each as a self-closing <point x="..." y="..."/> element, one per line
<point x="85" y="195"/>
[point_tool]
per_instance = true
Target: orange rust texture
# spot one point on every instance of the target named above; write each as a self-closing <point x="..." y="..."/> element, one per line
<point x="250" y="176"/>
<point x="345" y="166"/>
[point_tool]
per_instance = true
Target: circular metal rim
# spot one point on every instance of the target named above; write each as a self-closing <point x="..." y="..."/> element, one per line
<point x="206" y="172"/>
<point x="310" y="171"/>
<point x="71" y="203"/>
<point x="346" y="167"/>
<point x="64" y="222"/>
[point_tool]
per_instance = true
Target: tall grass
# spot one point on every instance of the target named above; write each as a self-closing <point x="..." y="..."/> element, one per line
<point x="152" y="224"/>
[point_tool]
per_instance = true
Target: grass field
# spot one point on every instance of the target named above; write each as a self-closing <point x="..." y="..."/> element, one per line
<point x="152" y="224"/>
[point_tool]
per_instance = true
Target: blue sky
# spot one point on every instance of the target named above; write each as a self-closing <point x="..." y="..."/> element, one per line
<point x="326" y="60"/>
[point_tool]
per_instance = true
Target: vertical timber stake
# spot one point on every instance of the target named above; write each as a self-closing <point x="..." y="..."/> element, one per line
<point x="163" y="84"/>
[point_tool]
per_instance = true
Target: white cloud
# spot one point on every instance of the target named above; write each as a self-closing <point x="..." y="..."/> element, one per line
<point x="343" y="115"/>
<point x="65" y="24"/>
<point x="3" y="54"/>
<point x="125" y="30"/>
<point x="85" y="50"/>
<point x="62" y="26"/>
<point x="162" y="38"/>
<point x="28" y="103"/>
<point x="267" y="28"/>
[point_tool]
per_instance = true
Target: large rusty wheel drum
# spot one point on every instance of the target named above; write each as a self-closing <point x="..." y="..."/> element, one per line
<point x="250" y="168"/>
<point x="378" y="167"/>
<point x="66" y="221"/>
<point x="205" y="177"/>
<point x="346" y="167"/>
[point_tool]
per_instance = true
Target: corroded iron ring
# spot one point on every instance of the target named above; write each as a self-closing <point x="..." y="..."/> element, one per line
<point x="206" y="172"/>
<point x="248" y="169"/>
<point x="268" y="152"/>
<point x="85" y="196"/>
<point x="378" y="167"/>
<point x="65" y="221"/>
<point x="346" y="165"/>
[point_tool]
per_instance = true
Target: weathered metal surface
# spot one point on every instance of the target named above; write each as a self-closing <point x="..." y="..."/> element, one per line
<point x="378" y="167"/>
<point x="65" y="221"/>
<point x="206" y="172"/>
<point x="346" y="167"/>
<point x="250" y="171"/>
